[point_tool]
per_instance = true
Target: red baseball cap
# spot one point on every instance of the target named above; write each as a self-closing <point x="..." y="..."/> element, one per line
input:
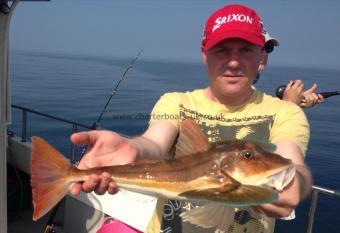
<point x="233" y="21"/>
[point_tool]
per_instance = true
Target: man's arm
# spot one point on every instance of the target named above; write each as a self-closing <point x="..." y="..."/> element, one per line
<point x="156" y="141"/>
<point x="305" y="99"/>
<point x="107" y="148"/>
<point x="297" y="190"/>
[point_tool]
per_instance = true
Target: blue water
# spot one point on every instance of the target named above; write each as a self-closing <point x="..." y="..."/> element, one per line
<point x="77" y="87"/>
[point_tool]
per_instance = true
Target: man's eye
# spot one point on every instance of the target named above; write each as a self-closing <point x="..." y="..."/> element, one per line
<point x="247" y="49"/>
<point x="220" y="50"/>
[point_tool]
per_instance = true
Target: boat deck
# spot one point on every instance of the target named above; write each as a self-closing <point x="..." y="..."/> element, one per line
<point x="23" y="223"/>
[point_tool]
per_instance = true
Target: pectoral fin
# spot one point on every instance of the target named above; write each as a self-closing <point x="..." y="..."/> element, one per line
<point x="210" y="216"/>
<point x="243" y="195"/>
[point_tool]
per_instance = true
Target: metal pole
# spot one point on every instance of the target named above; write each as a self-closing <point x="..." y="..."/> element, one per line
<point x="24" y="126"/>
<point x="6" y="12"/>
<point x="313" y="203"/>
<point x="325" y="191"/>
<point x="312" y="209"/>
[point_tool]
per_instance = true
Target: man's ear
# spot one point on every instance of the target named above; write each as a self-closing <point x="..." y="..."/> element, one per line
<point x="263" y="60"/>
<point x="204" y="57"/>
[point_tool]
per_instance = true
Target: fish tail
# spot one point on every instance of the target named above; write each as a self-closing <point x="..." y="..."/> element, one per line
<point x="50" y="176"/>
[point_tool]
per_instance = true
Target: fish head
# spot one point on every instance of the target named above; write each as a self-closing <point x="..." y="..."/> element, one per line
<point x="250" y="164"/>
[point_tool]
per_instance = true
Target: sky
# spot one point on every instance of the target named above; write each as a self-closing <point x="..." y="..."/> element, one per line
<point x="171" y="30"/>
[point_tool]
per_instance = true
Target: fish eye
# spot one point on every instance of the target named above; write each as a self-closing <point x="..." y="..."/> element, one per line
<point x="248" y="154"/>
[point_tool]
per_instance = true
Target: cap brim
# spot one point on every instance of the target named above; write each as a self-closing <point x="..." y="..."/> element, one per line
<point x="234" y="34"/>
<point x="274" y="41"/>
<point x="268" y="38"/>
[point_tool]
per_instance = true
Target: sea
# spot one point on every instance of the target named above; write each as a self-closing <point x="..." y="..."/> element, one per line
<point x="77" y="87"/>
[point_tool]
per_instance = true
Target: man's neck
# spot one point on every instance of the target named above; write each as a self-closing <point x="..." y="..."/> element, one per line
<point x="228" y="100"/>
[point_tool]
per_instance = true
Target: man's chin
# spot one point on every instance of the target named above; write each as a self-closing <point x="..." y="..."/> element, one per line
<point x="231" y="90"/>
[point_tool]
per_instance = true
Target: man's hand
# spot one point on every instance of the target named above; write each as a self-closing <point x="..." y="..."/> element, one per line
<point x="293" y="92"/>
<point x="105" y="148"/>
<point x="296" y="190"/>
<point x="311" y="98"/>
<point x="289" y="199"/>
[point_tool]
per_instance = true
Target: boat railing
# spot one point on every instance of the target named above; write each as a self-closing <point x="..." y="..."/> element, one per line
<point x="314" y="201"/>
<point x="74" y="125"/>
<point x="315" y="189"/>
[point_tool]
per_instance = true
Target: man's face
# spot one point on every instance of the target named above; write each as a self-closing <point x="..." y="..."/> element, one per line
<point x="232" y="66"/>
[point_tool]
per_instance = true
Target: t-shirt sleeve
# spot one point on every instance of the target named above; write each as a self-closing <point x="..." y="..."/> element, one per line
<point x="167" y="109"/>
<point x="292" y="125"/>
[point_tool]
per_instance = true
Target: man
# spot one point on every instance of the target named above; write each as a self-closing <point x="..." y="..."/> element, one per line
<point x="294" y="89"/>
<point x="232" y="49"/>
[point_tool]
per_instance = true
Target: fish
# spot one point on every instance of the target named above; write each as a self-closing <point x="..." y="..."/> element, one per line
<point x="229" y="174"/>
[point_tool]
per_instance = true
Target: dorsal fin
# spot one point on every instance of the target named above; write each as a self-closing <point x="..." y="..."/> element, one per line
<point x="191" y="139"/>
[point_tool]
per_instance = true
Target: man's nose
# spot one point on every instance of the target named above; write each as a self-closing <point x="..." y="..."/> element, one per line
<point x="234" y="60"/>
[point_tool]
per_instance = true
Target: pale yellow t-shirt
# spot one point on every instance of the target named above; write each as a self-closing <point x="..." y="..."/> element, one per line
<point x="263" y="118"/>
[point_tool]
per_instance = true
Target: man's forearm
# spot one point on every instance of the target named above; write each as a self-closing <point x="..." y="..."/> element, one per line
<point x="305" y="180"/>
<point x="156" y="141"/>
<point x="147" y="149"/>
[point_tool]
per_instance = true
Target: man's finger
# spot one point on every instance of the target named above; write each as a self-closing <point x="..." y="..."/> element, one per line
<point x="103" y="185"/>
<point x="75" y="189"/>
<point x="91" y="184"/>
<point x="85" y="138"/>
<point x="275" y="211"/>
<point x="80" y="138"/>
<point x="311" y="89"/>
<point x="320" y="98"/>
<point x="298" y="85"/>
<point x="113" y="188"/>
<point x="290" y="84"/>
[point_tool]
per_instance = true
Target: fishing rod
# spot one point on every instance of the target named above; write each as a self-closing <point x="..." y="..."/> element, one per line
<point x="114" y="92"/>
<point x="50" y="225"/>
<point x="281" y="89"/>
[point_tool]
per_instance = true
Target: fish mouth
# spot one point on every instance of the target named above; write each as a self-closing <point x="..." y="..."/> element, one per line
<point x="280" y="179"/>
<point x="276" y="178"/>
